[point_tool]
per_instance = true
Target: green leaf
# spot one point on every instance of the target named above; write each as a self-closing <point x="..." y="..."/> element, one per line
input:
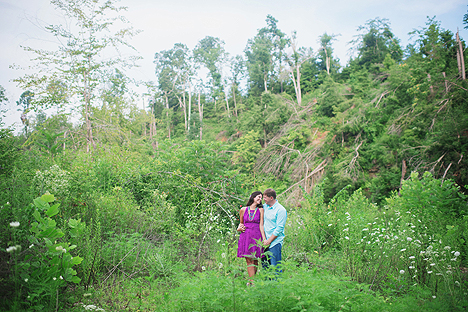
<point x="76" y="279"/>
<point x="53" y="210"/>
<point x="41" y="204"/>
<point x="76" y="260"/>
<point x="37" y="216"/>
<point x="55" y="261"/>
<point x="48" y="198"/>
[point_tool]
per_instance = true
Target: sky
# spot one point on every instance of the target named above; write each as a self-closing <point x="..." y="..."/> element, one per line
<point x="166" y="22"/>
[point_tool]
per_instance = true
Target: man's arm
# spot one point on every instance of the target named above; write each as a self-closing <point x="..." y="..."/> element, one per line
<point x="270" y="240"/>
<point x="280" y="222"/>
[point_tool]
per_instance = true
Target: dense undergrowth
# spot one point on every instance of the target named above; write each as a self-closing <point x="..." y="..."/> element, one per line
<point x="146" y="234"/>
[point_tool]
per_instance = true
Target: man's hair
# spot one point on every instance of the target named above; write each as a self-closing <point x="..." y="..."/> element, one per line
<point x="270" y="193"/>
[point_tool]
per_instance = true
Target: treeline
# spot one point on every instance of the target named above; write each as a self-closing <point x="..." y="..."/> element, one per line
<point x="290" y="114"/>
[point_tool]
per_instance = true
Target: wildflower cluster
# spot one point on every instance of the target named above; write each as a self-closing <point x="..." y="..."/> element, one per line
<point x="54" y="181"/>
<point x="396" y="244"/>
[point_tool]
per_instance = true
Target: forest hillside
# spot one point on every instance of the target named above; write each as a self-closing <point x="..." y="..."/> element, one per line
<point x="134" y="209"/>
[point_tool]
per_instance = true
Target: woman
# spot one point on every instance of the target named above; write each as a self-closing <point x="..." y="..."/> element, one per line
<point x="252" y="233"/>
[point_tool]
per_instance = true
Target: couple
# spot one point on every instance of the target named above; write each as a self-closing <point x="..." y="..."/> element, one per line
<point x="263" y="223"/>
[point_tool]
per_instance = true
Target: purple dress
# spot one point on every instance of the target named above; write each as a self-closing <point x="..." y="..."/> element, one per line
<point x="247" y="244"/>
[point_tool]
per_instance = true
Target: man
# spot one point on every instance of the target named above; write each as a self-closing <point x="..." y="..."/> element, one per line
<point x="275" y="216"/>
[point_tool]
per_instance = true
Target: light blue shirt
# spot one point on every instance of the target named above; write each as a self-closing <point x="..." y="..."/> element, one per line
<point x="274" y="220"/>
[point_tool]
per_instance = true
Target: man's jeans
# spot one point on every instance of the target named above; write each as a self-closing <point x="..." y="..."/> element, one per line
<point x="274" y="258"/>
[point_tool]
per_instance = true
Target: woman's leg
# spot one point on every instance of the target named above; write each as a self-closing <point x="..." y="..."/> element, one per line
<point x="251" y="266"/>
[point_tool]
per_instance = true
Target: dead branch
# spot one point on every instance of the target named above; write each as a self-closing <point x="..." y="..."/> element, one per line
<point x="352" y="163"/>
<point x="316" y="170"/>
<point x="381" y="96"/>
<point x="442" y="182"/>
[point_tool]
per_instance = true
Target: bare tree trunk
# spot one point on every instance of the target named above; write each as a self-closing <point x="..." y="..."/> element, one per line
<point x="184" y="107"/>
<point x="430" y="86"/>
<point x="445" y="80"/>
<point x="235" y="104"/>
<point x="460" y="58"/>
<point x="64" y="140"/>
<point x="189" y="106"/>
<point x="151" y="123"/>
<point x="89" y="131"/>
<point x="227" y="102"/>
<point x="200" y="113"/>
<point x="167" y="116"/>
<point x="327" y="60"/>
<point x="87" y="100"/>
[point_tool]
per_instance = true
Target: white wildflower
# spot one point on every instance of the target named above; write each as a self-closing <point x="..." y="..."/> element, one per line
<point x="54" y="278"/>
<point x="402" y="271"/>
<point x="14" y="224"/>
<point x="412" y="257"/>
<point x="432" y="264"/>
<point x="404" y="249"/>
<point x="434" y="297"/>
<point x="346" y="237"/>
<point x="11" y="248"/>
<point x="447" y="247"/>
<point x="365" y="229"/>
<point x="456" y="254"/>
<point x="220" y="265"/>
<point x="409" y="239"/>
<point x="26" y="280"/>
<point x="223" y="255"/>
<point x="429" y="272"/>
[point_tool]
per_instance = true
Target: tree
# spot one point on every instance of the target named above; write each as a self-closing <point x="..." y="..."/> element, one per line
<point x="295" y="61"/>
<point x="174" y="72"/>
<point x="25" y="101"/>
<point x="265" y="55"/>
<point x="75" y="70"/>
<point x="325" y="54"/>
<point x="237" y="71"/>
<point x="210" y="53"/>
<point x="375" y="42"/>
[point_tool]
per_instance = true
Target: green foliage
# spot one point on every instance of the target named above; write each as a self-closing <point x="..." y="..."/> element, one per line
<point x="48" y="264"/>
<point x="9" y="151"/>
<point x="247" y="148"/>
<point x="160" y="208"/>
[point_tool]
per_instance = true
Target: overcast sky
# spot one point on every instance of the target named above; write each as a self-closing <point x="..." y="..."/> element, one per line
<point x="166" y="22"/>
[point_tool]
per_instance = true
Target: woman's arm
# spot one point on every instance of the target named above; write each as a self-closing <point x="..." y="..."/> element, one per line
<point x="241" y="227"/>
<point x="262" y="230"/>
